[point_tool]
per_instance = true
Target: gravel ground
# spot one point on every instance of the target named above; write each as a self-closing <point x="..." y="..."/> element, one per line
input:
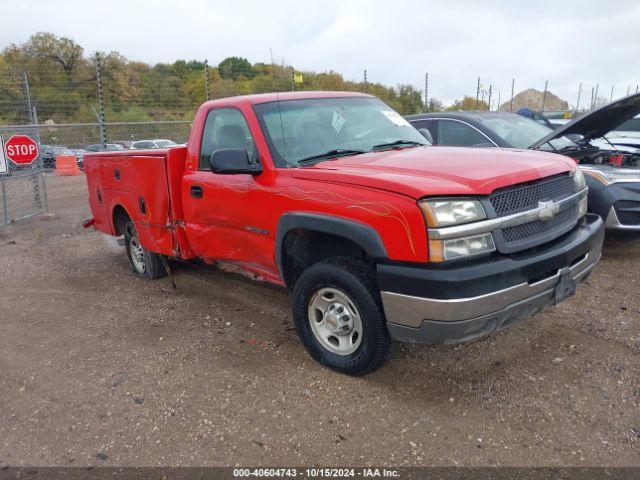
<point x="98" y="367"/>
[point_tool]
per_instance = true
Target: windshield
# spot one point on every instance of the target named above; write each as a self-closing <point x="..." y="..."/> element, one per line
<point x="522" y="132"/>
<point x="301" y="129"/>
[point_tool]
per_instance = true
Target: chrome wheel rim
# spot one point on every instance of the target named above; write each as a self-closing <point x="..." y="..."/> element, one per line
<point x="137" y="254"/>
<point x="335" y="321"/>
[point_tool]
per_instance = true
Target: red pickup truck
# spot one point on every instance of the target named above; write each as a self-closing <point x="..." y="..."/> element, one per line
<point x="377" y="236"/>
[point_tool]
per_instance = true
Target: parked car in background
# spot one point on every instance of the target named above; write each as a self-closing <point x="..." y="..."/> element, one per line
<point x="47" y="157"/>
<point x="109" y="147"/>
<point x="126" y="144"/>
<point x="156" y="143"/>
<point x="48" y="154"/>
<point x="613" y="171"/>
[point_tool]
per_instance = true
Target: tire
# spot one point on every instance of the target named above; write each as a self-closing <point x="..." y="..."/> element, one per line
<point x="143" y="263"/>
<point x="328" y="292"/>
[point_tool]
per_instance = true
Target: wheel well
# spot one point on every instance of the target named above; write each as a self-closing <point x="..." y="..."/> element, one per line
<point x="303" y="248"/>
<point x="120" y="219"/>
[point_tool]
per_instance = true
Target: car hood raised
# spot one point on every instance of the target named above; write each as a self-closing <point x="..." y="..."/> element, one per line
<point x="421" y="171"/>
<point x="599" y="122"/>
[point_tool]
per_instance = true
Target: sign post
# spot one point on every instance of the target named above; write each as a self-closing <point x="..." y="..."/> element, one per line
<point x="21" y="149"/>
<point x="3" y="160"/>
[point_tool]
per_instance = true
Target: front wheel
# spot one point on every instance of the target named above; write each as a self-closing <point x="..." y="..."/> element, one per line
<point x="339" y="317"/>
<point x="143" y="262"/>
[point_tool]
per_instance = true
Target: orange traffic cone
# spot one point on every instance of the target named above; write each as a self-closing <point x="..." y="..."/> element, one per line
<point x="66" y="165"/>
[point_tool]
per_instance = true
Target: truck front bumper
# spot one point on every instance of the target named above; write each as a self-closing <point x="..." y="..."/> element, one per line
<point x="454" y="303"/>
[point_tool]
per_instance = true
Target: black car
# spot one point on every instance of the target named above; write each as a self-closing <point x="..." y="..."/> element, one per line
<point x="612" y="172"/>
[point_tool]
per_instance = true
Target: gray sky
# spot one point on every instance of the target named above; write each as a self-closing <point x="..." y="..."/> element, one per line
<point x="565" y="42"/>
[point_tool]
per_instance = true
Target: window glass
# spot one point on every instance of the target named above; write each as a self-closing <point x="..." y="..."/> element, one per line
<point x="225" y="128"/>
<point x="299" y="129"/>
<point x="520" y="131"/>
<point x="460" y="134"/>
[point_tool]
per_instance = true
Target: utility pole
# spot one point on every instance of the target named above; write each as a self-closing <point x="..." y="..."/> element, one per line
<point x="426" y="92"/>
<point x="513" y="84"/>
<point x="611" y="97"/>
<point x="544" y="95"/>
<point x="578" y="101"/>
<point x="206" y="80"/>
<point x="489" y="98"/>
<point x="595" y="96"/>
<point x="366" y="86"/>
<point x="477" y="93"/>
<point x="498" y="100"/>
<point x="103" y="131"/>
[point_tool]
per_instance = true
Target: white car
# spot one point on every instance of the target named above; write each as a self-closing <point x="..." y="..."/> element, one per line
<point x="154" y="143"/>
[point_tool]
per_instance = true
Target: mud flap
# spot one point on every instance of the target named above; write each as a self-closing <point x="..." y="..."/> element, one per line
<point x="566" y="286"/>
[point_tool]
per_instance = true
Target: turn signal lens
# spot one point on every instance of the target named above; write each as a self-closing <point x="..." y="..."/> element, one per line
<point x="441" y="250"/>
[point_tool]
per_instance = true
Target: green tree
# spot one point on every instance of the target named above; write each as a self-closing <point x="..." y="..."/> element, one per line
<point x="468" y="103"/>
<point x="234" y="67"/>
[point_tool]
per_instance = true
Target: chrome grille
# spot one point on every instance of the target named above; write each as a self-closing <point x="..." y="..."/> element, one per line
<point x="539" y="228"/>
<point x="526" y="197"/>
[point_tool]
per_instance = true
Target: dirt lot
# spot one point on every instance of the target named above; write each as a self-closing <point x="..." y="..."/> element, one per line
<point x="98" y="367"/>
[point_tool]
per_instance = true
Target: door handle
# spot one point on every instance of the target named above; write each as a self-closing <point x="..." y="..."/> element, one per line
<point x="196" y="191"/>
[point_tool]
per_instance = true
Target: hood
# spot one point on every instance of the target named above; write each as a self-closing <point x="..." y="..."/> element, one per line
<point x="421" y="171"/>
<point x="599" y="122"/>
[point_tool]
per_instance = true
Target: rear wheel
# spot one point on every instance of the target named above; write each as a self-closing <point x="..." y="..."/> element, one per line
<point x="339" y="317"/>
<point x="143" y="262"/>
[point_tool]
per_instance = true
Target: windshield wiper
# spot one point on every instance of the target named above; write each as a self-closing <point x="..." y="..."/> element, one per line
<point x="398" y="143"/>
<point x="336" y="152"/>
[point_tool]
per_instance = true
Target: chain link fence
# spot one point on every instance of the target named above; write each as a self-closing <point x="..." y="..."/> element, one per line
<point x="23" y="192"/>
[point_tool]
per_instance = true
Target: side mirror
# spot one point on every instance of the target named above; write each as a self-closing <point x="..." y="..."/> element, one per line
<point x="575" y="137"/>
<point x="427" y="135"/>
<point x="227" y="161"/>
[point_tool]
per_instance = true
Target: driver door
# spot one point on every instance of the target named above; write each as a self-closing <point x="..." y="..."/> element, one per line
<point x="219" y="209"/>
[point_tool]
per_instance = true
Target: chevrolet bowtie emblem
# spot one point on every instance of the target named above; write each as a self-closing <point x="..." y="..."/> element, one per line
<point x="547" y="210"/>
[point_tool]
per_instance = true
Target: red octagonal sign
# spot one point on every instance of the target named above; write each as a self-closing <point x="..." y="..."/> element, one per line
<point x="21" y="149"/>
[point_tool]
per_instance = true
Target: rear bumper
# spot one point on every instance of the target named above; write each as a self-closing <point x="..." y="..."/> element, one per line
<point x="455" y="303"/>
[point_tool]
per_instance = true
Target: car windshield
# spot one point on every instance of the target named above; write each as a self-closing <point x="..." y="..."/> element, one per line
<point x="300" y="131"/>
<point x="522" y="132"/>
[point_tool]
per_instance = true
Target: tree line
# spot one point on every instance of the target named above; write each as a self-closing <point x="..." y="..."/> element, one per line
<point x="57" y="77"/>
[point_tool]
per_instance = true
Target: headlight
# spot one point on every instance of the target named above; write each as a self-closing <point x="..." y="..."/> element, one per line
<point x="578" y="180"/>
<point x="441" y="250"/>
<point x="444" y="213"/>
<point x="609" y="175"/>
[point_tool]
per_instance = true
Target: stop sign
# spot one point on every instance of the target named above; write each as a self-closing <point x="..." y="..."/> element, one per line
<point x="21" y="149"/>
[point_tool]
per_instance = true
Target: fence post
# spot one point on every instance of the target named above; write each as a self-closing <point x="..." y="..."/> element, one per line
<point x="5" y="208"/>
<point x="101" y="126"/>
<point x="27" y="96"/>
<point x="206" y="80"/>
<point x="578" y="101"/>
<point x="513" y="84"/>
<point x="426" y="92"/>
